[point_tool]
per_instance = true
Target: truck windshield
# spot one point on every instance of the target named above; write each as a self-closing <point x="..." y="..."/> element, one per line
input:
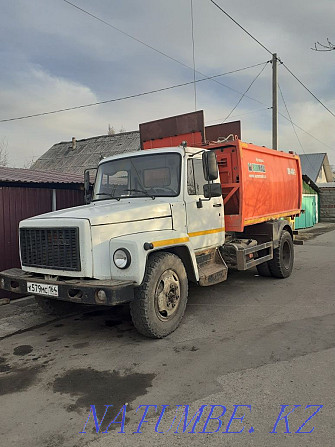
<point x="156" y="175"/>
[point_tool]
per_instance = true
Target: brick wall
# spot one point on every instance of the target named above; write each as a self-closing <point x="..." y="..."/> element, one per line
<point x="327" y="203"/>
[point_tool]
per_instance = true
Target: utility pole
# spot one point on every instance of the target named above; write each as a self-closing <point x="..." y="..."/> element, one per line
<point x="274" y="102"/>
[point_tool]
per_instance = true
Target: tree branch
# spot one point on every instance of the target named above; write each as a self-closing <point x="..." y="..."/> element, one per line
<point x="318" y="46"/>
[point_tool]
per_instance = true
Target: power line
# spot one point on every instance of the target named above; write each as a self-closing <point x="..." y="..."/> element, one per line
<point x="155" y="49"/>
<point x="305" y="131"/>
<point x="265" y="48"/>
<point x="213" y="78"/>
<point x="187" y="66"/>
<point x="251" y="84"/>
<point x="309" y="91"/>
<point x="125" y="33"/>
<point x="289" y="115"/>
<point x="161" y="90"/>
<point x="283" y="116"/>
<point x="240" y="26"/>
<point x="238" y="116"/>
<point x="294" y="129"/>
<point x="129" y="96"/>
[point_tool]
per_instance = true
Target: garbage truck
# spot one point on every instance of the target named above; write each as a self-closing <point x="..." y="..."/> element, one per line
<point x="159" y="218"/>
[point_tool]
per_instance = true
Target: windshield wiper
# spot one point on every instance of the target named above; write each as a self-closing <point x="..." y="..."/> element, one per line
<point x="107" y="194"/>
<point x="141" y="190"/>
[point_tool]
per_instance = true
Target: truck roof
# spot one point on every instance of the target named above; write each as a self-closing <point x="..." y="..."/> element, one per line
<point x="181" y="150"/>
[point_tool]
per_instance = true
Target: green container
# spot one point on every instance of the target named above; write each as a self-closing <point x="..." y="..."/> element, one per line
<point x="308" y="216"/>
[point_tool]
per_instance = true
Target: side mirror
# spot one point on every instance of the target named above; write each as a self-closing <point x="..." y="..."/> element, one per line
<point x="212" y="190"/>
<point x="210" y="165"/>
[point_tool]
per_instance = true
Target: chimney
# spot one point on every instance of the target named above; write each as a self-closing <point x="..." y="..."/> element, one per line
<point x="74" y="143"/>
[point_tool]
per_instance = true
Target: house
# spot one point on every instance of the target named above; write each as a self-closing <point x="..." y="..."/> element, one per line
<point x="316" y="174"/>
<point x="316" y="167"/>
<point x="25" y="193"/>
<point x="77" y="155"/>
<point x="310" y="205"/>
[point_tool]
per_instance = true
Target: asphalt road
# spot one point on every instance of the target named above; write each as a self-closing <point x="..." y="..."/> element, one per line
<point x="251" y="341"/>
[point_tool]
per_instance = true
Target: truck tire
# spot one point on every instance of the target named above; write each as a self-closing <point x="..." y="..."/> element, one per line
<point x="53" y="307"/>
<point x="160" y="301"/>
<point x="282" y="263"/>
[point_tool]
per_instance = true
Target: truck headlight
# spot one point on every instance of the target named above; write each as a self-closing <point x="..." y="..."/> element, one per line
<point x="122" y="258"/>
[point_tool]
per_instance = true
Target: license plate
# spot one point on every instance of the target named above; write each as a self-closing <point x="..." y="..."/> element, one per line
<point x="42" y="289"/>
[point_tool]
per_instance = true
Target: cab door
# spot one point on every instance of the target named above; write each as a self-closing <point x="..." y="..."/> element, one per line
<point x="205" y="218"/>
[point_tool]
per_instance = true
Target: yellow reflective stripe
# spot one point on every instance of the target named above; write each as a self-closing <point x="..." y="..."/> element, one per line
<point x="276" y="216"/>
<point x="186" y="239"/>
<point x="170" y="241"/>
<point x="201" y="233"/>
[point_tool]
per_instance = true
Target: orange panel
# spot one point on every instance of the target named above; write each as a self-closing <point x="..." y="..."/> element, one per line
<point x="192" y="139"/>
<point x="258" y="184"/>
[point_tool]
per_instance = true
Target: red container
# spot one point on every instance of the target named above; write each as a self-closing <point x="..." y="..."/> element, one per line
<point x="258" y="184"/>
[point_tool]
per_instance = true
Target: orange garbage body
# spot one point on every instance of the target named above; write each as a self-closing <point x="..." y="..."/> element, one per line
<point x="258" y="184"/>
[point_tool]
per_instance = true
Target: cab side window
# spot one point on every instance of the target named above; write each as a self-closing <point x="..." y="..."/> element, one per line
<point x="195" y="177"/>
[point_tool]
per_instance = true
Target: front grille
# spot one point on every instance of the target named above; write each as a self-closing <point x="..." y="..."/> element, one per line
<point x="52" y="248"/>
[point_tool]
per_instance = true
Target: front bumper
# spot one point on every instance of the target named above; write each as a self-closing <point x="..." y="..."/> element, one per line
<point x="82" y="291"/>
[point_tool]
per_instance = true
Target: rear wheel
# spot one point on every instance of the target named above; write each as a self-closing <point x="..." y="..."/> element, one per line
<point x="53" y="307"/>
<point x="283" y="257"/>
<point x="160" y="301"/>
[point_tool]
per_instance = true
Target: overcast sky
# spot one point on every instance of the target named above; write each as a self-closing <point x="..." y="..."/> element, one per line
<point x="53" y="56"/>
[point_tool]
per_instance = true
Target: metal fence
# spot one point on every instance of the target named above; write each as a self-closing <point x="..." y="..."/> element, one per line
<point x="21" y="202"/>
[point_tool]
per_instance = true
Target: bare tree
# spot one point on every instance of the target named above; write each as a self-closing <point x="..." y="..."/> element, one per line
<point x="28" y="163"/>
<point x="329" y="46"/>
<point x="3" y="152"/>
<point x="111" y="130"/>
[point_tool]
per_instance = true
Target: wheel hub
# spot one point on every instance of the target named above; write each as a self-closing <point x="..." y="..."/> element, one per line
<point x="167" y="294"/>
<point x="286" y="255"/>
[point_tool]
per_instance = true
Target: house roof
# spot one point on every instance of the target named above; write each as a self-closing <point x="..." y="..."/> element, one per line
<point x="87" y="153"/>
<point x="312" y="163"/>
<point x="15" y="175"/>
<point x="310" y="183"/>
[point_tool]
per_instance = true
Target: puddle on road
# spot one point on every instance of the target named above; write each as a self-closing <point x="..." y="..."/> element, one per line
<point x="100" y="388"/>
<point x="23" y="350"/>
<point x="18" y="380"/>
<point x="4" y="367"/>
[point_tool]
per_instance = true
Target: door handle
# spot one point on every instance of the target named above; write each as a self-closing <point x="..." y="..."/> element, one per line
<point x="217" y="205"/>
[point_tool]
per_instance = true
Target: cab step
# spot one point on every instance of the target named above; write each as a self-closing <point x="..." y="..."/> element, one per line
<point x="212" y="267"/>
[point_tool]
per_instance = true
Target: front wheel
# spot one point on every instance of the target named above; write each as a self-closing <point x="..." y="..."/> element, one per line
<point x="282" y="263"/>
<point x="160" y="301"/>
